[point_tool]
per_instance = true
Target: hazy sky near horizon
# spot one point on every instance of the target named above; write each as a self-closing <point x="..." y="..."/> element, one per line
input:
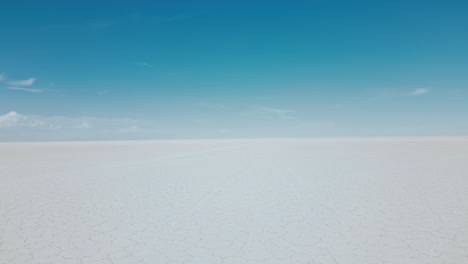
<point x="232" y="69"/>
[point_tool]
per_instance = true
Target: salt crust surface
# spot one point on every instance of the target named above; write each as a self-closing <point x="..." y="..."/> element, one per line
<point x="331" y="201"/>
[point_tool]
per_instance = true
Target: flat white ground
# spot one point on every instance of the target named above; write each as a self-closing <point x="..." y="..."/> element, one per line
<point x="235" y="201"/>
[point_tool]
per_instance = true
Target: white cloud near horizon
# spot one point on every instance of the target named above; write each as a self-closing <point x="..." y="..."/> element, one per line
<point x="83" y="125"/>
<point x="13" y="119"/>
<point x="26" y="82"/>
<point x="419" y="91"/>
<point x="130" y="129"/>
<point x="316" y="124"/>
<point x="21" y="127"/>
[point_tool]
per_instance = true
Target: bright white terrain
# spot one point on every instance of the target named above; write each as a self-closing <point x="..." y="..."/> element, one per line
<point x="331" y="201"/>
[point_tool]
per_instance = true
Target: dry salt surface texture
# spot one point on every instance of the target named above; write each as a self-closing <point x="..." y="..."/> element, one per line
<point x="337" y="201"/>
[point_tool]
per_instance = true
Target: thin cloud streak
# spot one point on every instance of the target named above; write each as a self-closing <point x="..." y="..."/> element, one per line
<point x="419" y="91"/>
<point x="145" y="64"/>
<point x="388" y="94"/>
<point x="31" y="90"/>
<point x="27" y="82"/>
<point x="280" y="113"/>
<point x="84" y="125"/>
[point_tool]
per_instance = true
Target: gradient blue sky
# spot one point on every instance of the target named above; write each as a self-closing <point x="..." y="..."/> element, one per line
<point x="76" y="70"/>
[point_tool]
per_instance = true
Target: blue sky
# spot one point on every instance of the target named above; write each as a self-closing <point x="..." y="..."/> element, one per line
<point x="232" y="69"/>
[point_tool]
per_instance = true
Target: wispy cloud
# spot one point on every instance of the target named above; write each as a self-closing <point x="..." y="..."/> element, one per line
<point x="27" y="82"/>
<point x="419" y="91"/>
<point x="17" y="127"/>
<point x="3" y="77"/>
<point x="145" y="64"/>
<point x="31" y="90"/>
<point x="277" y="113"/>
<point x="26" y="85"/>
<point x="399" y="93"/>
<point x="130" y="129"/>
<point x="83" y="125"/>
<point x="13" y="119"/>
